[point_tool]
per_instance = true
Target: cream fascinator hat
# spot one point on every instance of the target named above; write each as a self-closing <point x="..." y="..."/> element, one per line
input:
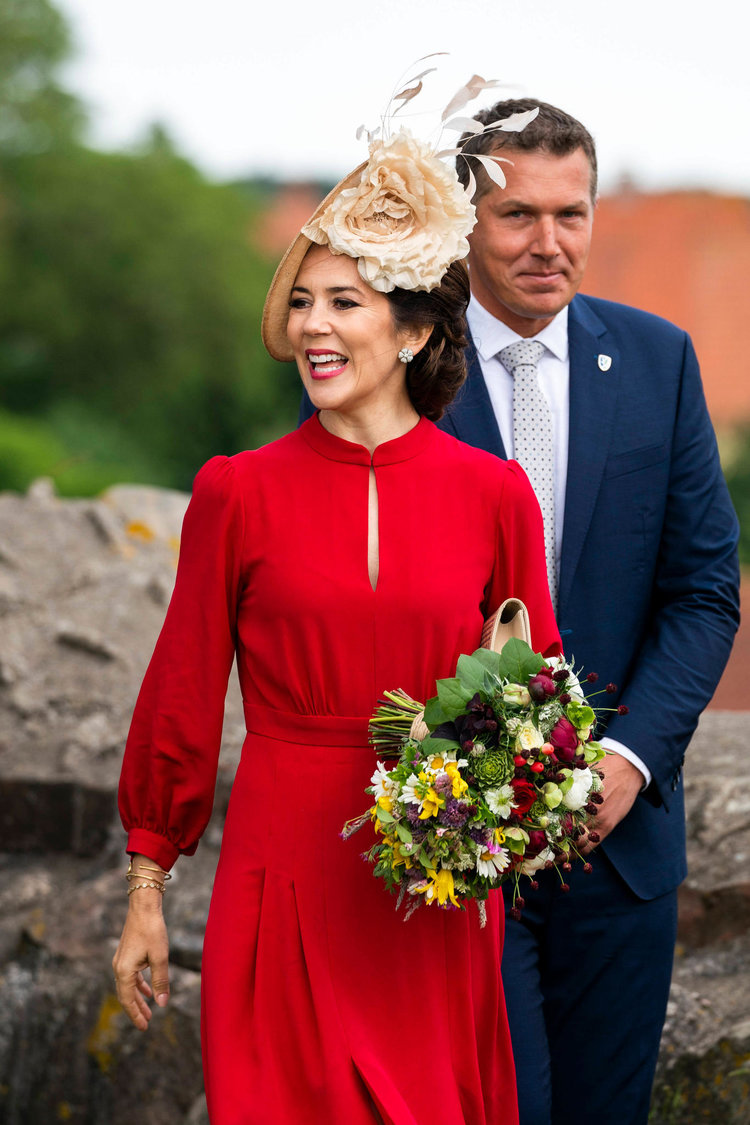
<point x="402" y="214"/>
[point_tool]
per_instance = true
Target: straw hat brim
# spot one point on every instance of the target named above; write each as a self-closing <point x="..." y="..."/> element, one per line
<point x="276" y="308"/>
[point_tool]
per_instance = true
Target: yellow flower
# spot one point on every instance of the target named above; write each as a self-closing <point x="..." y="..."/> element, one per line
<point x="431" y="804"/>
<point x="442" y="887"/>
<point x="499" y="836"/>
<point x="459" y="785"/>
<point x="399" y="858"/>
<point x="436" y="762"/>
<point x="385" y="802"/>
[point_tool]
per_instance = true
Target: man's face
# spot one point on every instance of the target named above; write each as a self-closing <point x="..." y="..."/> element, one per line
<point x="531" y="242"/>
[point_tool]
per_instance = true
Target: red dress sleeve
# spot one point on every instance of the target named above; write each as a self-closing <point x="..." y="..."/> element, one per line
<point x="520" y="569"/>
<point x="171" y="756"/>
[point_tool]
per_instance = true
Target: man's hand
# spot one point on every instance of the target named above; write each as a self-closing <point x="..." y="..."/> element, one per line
<point x="622" y="784"/>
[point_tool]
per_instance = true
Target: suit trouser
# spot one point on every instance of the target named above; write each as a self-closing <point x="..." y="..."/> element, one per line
<point x="586" y="976"/>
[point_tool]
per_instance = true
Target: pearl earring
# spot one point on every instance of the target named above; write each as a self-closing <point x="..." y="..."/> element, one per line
<point x="406" y="355"/>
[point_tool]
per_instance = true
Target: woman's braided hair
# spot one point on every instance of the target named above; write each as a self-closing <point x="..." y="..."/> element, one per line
<point x="439" y="368"/>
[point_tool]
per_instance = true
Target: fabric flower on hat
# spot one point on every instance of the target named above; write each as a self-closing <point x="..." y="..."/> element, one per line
<point x="405" y="222"/>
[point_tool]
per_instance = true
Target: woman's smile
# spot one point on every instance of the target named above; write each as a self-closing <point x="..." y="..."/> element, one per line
<point x="325" y="364"/>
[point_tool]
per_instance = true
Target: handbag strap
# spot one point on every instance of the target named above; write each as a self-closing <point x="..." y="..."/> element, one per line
<point x="511" y="619"/>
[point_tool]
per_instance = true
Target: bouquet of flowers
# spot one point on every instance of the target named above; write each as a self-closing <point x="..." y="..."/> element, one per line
<point x="495" y="779"/>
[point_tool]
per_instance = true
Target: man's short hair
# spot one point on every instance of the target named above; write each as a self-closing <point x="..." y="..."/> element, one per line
<point x="552" y="131"/>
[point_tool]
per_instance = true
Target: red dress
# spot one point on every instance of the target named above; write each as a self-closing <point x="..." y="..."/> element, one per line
<point x="320" y="1004"/>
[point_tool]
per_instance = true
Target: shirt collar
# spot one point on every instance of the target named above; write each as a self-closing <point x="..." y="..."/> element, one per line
<point x="490" y="335"/>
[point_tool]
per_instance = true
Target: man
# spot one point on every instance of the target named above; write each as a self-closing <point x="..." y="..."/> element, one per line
<point x="642" y="565"/>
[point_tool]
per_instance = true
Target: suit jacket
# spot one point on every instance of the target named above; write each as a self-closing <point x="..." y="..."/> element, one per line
<point x="649" y="578"/>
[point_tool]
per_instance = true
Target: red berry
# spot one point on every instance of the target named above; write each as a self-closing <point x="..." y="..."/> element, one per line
<point x="519" y="760"/>
<point x="587" y="868"/>
<point x="537" y="767"/>
<point x="534" y="885"/>
<point x="564" y="887"/>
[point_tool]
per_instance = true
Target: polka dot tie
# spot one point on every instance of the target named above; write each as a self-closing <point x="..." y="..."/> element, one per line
<point x="533" y="439"/>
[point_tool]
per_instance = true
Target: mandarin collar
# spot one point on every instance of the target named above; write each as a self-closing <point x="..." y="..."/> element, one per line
<point x="403" y="448"/>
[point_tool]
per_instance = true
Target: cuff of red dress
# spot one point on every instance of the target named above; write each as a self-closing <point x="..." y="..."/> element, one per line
<point x="141" y="841"/>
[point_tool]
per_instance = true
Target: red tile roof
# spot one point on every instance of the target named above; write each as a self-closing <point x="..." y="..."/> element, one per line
<point x="686" y="256"/>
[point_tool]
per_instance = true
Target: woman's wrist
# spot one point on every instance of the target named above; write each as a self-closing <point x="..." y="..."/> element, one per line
<point x="146" y="881"/>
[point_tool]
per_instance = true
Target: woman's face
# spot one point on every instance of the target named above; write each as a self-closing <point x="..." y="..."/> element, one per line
<point x="343" y="337"/>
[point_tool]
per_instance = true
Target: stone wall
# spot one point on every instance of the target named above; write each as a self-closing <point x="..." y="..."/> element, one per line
<point x="83" y="589"/>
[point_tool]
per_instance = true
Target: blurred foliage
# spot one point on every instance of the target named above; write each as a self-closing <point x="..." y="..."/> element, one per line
<point x="738" y="480"/>
<point x="36" y="114"/>
<point x="130" y="295"/>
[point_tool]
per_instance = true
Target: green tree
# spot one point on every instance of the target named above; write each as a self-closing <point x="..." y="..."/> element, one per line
<point x="36" y="114"/>
<point x="130" y="292"/>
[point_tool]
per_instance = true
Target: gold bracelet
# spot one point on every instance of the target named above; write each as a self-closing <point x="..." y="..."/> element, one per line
<point x="158" y="870"/>
<point x="132" y="873"/>
<point x="151" y="883"/>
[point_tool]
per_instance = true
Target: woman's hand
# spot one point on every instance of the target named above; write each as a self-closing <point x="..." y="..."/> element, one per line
<point x="143" y="945"/>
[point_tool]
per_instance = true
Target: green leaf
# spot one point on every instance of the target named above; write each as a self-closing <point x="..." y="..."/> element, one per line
<point x="440" y="745"/>
<point x="518" y="662"/>
<point x="471" y="673"/>
<point x="489" y="660"/>
<point x="433" y="745"/>
<point x="434" y="714"/>
<point x="579" y="714"/>
<point x="593" y="752"/>
<point x="384" y="816"/>
<point x="453" y="696"/>
<point x="403" y="833"/>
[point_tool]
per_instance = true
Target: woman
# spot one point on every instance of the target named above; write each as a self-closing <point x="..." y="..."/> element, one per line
<point x="359" y="553"/>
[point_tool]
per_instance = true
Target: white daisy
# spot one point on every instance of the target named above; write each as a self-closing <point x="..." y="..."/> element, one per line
<point x="492" y="864"/>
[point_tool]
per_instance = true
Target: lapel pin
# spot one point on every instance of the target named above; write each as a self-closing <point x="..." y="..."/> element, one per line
<point x="604" y="361"/>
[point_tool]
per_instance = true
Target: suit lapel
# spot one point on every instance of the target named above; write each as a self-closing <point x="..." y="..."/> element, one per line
<point x="470" y="416"/>
<point x="593" y="397"/>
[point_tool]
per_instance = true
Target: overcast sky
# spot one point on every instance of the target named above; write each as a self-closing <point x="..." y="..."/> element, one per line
<point x="280" y="86"/>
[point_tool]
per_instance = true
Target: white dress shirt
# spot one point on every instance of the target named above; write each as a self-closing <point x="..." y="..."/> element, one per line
<point x="490" y="335"/>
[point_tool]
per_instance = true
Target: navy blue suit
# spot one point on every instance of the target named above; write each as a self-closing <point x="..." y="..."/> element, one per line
<point x="649" y="599"/>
